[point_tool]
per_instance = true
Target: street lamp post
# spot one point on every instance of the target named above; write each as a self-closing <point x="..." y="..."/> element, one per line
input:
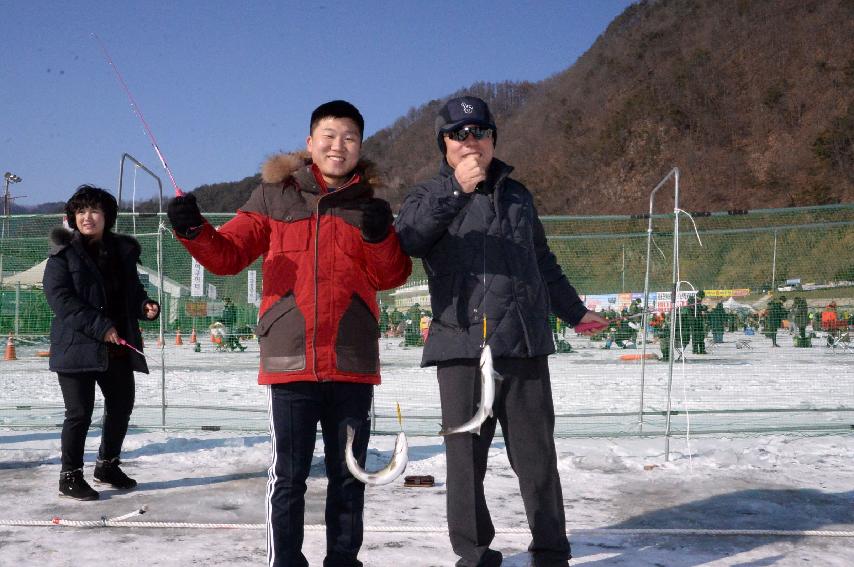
<point x="8" y="178"/>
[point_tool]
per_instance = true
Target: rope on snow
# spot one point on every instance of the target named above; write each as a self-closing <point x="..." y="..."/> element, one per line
<point x="121" y="522"/>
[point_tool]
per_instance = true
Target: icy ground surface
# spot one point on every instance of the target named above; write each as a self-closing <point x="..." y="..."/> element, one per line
<point x="773" y="481"/>
<point x="208" y="388"/>
<point x="749" y="482"/>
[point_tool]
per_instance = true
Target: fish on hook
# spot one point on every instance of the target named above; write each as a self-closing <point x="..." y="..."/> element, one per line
<point x="395" y="467"/>
<point x="487" y="397"/>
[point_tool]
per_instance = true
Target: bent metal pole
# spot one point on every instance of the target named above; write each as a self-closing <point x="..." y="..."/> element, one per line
<point x="646" y="309"/>
<point x="160" y="276"/>
<point x="672" y="311"/>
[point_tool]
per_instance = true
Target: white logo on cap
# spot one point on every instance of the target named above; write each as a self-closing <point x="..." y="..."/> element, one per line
<point x="467" y="108"/>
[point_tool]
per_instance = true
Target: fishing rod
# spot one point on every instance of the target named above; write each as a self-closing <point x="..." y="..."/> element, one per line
<point x="594" y="326"/>
<point x="136" y="110"/>
<point x="130" y="346"/>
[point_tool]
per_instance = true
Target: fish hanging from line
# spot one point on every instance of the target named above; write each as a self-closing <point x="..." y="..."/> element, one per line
<point x="487" y="397"/>
<point x="394" y="469"/>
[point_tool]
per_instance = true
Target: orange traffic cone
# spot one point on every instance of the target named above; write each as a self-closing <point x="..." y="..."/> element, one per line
<point x="193" y="339"/>
<point x="178" y="340"/>
<point x="159" y="341"/>
<point x="10" y="349"/>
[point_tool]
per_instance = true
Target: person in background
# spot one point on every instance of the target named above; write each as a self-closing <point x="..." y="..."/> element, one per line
<point x="828" y="317"/>
<point x="490" y="272"/>
<point x="775" y="313"/>
<point x="717" y="320"/>
<point x="424" y="325"/>
<point x="697" y="321"/>
<point x="229" y="319"/>
<point x="384" y="321"/>
<point x="412" y="331"/>
<point x="395" y="319"/>
<point x="328" y="247"/>
<point x="92" y="285"/>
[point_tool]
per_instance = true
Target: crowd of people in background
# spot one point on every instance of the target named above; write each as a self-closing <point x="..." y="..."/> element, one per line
<point x="411" y="325"/>
<point x="701" y="324"/>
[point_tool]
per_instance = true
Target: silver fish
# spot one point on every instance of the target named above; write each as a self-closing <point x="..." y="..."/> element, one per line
<point x="487" y="396"/>
<point x="394" y="469"/>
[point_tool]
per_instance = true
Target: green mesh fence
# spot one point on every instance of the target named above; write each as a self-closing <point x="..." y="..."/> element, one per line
<point x="602" y="385"/>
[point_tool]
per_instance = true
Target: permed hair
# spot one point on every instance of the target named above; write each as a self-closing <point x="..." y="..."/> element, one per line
<point x="88" y="196"/>
<point x="337" y="109"/>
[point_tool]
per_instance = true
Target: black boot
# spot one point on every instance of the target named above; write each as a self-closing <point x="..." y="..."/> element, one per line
<point x="73" y="485"/>
<point x="108" y="472"/>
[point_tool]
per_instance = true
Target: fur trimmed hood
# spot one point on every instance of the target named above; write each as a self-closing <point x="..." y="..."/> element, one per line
<point x="279" y="167"/>
<point x="61" y="238"/>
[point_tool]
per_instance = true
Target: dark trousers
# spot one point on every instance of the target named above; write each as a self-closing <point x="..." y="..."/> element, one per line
<point x="78" y="392"/>
<point x="523" y="405"/>
<point x="295" y="410"/>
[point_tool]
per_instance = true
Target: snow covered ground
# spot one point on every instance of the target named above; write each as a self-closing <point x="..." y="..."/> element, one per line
<point x="772" y="481"/>
<point x="769" y="482"/>
<point x="595" y="391"/>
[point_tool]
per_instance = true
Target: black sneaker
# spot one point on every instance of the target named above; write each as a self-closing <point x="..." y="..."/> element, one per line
<point x="73" y="485"/>
<point x="108" y="472"/>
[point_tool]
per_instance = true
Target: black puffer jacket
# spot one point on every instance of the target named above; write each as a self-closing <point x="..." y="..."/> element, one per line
<point x="75" y="291"/>
<point x="485" y="252"/>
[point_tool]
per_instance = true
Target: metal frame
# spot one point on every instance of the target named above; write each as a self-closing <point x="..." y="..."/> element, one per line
<point x="674" y="173"/>
<point x="126" y="156"/>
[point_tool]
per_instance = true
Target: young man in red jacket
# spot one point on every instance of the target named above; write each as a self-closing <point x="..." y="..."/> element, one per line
<point x="328" y="247"/>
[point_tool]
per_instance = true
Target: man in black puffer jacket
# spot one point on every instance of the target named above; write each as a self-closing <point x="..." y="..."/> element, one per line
<point x="489" y="265"/>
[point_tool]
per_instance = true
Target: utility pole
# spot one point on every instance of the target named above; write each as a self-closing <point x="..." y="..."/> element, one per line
<point x="774" y="265"/>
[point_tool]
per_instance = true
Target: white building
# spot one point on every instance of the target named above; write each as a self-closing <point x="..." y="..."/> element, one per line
<point x="413" y="292"/>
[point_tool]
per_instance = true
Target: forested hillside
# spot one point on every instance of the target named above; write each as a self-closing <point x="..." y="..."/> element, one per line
<point x="752" y="99"/>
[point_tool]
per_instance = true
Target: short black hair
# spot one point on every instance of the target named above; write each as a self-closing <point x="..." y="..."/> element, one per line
<point x="337" y="109"/>
<point x="89" y="196"/>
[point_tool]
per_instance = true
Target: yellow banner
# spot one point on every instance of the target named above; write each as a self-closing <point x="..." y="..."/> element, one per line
<point x="727" y="292"/>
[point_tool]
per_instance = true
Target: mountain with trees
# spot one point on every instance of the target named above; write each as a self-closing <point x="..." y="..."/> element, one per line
<point x="753" y="100"/>
<point x="40" y="209"/>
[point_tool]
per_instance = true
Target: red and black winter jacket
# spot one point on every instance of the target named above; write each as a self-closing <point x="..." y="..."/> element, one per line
<point x="320" y="278"/>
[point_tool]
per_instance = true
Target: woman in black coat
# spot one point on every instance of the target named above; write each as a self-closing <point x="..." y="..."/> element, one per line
<point x="92" y="286"/>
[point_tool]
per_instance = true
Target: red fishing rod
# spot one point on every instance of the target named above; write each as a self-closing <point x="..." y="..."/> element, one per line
<point x="136" y="110"/>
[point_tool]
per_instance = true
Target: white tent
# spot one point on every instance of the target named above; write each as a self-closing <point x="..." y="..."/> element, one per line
<point x="31" y="277"/>
<point x="733" y="305"/>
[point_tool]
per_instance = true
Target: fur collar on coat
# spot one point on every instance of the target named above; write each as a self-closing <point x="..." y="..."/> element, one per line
<point x="279" y="167"/>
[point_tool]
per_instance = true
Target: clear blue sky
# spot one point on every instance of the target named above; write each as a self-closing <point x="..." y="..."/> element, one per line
<point x="223" y="84"/>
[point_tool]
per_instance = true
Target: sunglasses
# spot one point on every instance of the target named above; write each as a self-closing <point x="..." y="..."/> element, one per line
<point x="476" y="131"/>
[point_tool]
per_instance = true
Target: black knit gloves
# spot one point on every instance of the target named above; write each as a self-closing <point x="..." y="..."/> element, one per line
<point x="376" y="220"/>
<point x="184" y="215"/>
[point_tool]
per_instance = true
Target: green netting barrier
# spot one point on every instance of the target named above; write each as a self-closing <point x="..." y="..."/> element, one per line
<point x="601" y="385"/>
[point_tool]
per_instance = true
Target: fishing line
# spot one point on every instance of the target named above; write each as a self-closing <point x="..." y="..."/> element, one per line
<point x="483" y="304"/>
<point x="485" y="239"/>
<point x="399" y="415"/>
<point x="136" y="110"/>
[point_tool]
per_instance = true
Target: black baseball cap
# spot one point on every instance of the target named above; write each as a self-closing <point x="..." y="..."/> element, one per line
<point x="461" y="111"/>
